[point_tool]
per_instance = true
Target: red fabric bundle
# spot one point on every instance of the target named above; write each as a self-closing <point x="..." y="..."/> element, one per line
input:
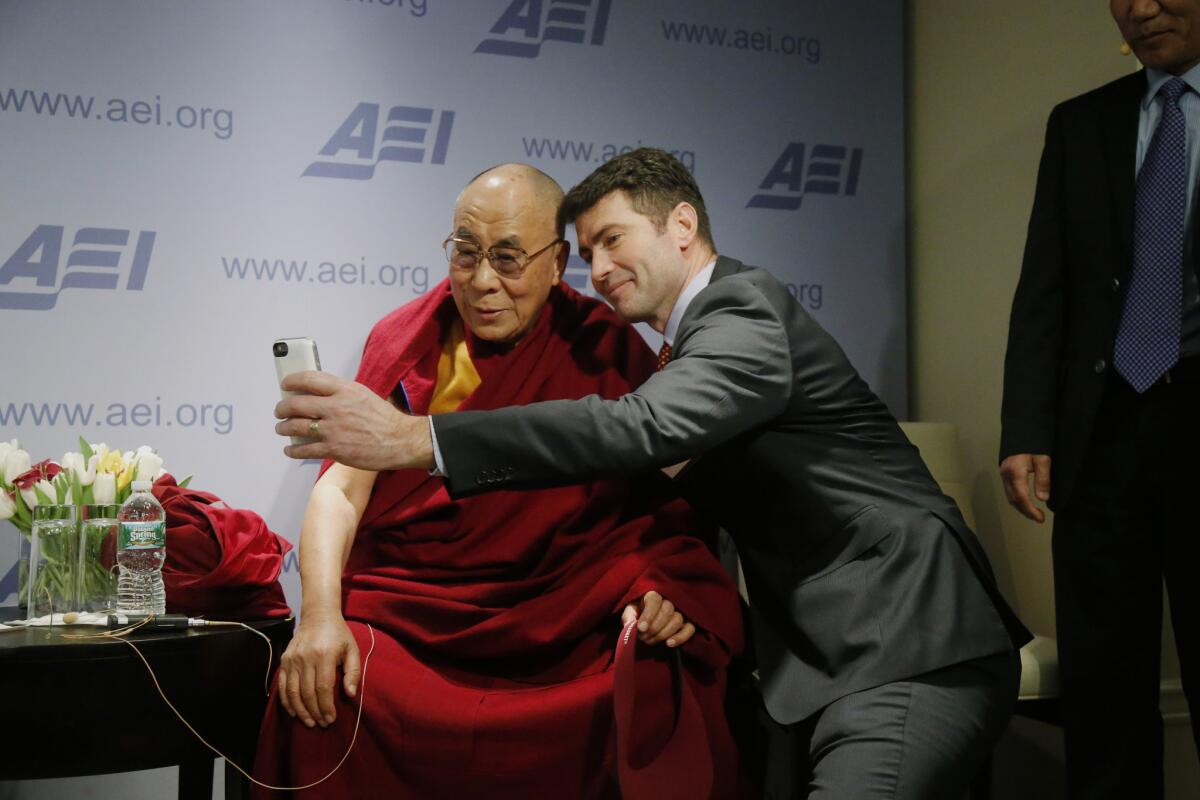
<point x="496" y="617"/>
<point x="655" y="747"/>
<point x="222" y="562"/>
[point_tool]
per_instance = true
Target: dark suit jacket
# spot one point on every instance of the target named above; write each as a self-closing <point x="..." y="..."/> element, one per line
<point x="1071" y="293"/>
<point x="860" y="571"/>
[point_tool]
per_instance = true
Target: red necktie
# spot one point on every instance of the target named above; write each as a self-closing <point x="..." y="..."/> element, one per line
<point x="664" y="355"/>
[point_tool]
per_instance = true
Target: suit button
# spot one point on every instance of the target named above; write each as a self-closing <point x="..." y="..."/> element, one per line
<point x="1116" y="284"/>
<point x="1099" y="366"/>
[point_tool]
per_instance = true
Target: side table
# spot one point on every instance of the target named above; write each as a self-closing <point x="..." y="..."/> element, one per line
<point x="89" y="706"/>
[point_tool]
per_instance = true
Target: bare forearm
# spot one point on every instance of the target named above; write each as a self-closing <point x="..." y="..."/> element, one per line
<point x="326" y="536"/>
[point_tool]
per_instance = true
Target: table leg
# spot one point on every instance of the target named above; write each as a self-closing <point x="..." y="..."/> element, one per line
<point x="196" y="779"/>
<point x="236" y="785"/>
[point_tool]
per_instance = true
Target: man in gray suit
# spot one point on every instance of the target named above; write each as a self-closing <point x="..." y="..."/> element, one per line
<point x="880" y="635"/>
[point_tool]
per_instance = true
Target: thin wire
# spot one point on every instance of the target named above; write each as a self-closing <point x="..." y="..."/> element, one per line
<point x="270" y="657"/>
<point x="119" y="635"/>
<point x="113" y="634"/>
<point x="270" y="648"/>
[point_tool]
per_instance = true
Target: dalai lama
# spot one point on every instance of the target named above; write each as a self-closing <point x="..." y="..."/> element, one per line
<point x="495" y="618"/>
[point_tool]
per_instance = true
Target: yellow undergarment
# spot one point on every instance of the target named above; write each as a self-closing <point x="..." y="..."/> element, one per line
<point x="456" y="375"/>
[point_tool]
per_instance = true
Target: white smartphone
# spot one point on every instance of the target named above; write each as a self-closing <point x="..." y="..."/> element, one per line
<point x="295" y="355"/>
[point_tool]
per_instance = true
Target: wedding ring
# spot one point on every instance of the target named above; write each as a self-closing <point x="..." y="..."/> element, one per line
<point x="312" y="429"/>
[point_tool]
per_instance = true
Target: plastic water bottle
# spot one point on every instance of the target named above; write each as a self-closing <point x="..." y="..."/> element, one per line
<point x="141" y="551"/>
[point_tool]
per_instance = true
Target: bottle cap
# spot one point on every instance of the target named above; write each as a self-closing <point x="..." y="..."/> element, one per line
<point x="141" y="486"/>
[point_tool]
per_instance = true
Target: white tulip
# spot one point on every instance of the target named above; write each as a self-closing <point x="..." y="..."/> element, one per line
<point x="150" y="466"/>
<point x="31" y="498"/>
<point x="73" y="462"/>
<point x="104" y="490"/>
<point x="5" y="447"/>
<point x="17" y="463"/>
<point x="8" y="506"/>
<point x="98" y="452"/>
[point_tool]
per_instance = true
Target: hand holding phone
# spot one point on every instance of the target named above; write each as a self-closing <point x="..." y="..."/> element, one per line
<point x="295" y="355"/>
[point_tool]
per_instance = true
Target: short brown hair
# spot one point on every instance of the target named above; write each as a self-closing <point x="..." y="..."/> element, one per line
<point x="655" y="182"/>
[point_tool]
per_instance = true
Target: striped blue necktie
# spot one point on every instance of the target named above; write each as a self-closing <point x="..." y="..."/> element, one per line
<point x="1148" y="337"/>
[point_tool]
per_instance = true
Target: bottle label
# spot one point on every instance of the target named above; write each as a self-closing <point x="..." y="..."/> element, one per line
<point x="143" y="535"/>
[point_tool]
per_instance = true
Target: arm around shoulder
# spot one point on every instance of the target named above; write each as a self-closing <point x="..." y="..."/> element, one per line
<point x="732" y="372"/>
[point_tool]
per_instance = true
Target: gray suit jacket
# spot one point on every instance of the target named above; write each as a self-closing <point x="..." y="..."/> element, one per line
<point x="860" y="571"/>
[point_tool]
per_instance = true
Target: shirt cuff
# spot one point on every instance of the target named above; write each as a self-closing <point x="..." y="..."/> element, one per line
<point x="440" y="469"/>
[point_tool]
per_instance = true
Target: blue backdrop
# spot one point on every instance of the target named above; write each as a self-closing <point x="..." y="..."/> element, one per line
<point x="186" y="182"/>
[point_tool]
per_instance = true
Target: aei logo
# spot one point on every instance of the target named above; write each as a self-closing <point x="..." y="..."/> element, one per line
<point x="831" y="169"/>
<point x="526" y="24"/>
<point x="407" y="134"/>
<point x="98" y="259"/>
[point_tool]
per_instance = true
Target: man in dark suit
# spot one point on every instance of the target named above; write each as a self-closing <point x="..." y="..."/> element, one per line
<point x="1101" y="391"/>
<point x="880" y="634"/>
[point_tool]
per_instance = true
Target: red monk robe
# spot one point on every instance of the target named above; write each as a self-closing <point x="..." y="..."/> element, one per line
<point x="496" y="616"/>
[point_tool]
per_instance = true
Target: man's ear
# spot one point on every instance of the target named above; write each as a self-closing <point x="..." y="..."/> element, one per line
<point x="685" y="224"/>
<point x="560" y="261"/>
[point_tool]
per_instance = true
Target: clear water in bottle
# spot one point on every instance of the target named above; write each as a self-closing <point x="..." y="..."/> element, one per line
<point x="141" y="551"/>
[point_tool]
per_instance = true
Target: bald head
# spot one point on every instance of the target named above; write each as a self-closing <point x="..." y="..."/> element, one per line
<point x="512" y="208"/>
<point x="519" y="183"/>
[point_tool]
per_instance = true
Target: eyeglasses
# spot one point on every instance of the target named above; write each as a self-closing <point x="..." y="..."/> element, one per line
<point x="509" y="262"/>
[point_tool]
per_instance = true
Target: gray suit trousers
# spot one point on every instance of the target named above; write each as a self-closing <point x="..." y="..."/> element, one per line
<point x="916" y="739"/>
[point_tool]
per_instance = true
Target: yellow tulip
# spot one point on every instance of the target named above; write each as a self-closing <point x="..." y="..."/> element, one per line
<point x="111" y="462"/>
<point x="125" y="478"/>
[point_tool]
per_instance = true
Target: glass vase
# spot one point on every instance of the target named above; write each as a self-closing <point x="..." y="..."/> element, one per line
<point x="97" y="566"/>
<point x="51" y="578"/>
